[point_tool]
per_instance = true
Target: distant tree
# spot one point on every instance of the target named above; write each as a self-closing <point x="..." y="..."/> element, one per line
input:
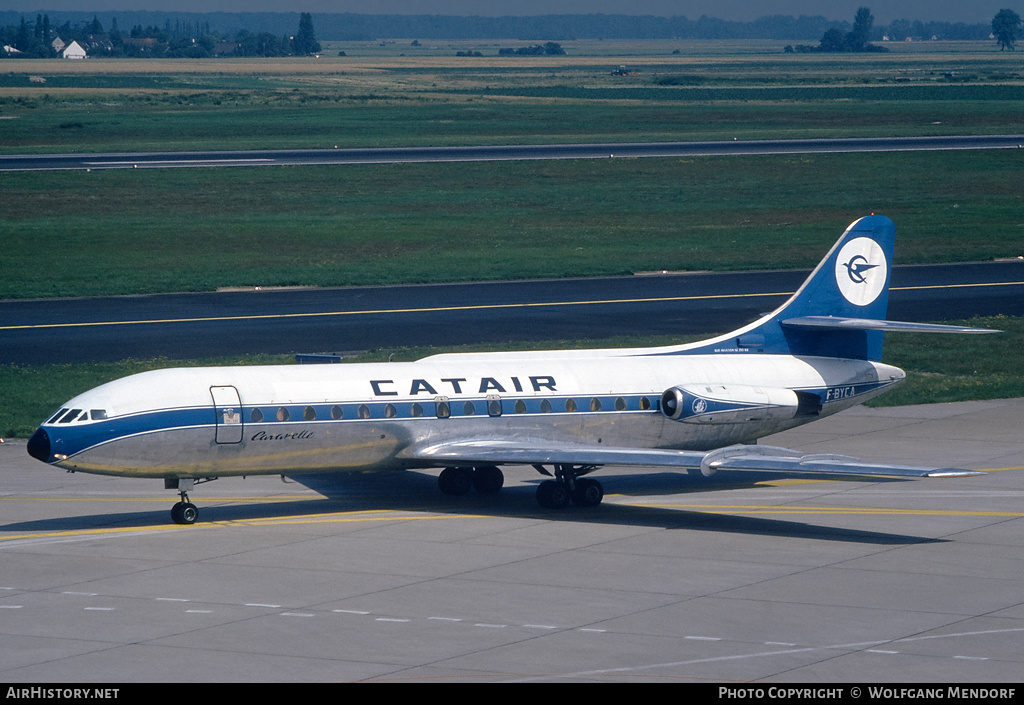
<point x="833" y="40"/>
<point x="304" y="43"/>
<point x="550" y="48"/>
<point x="861" y="34"/>
<point x="1006" y="27"/>
<point x="836" y="40"/>
<point x="24" y="40"/>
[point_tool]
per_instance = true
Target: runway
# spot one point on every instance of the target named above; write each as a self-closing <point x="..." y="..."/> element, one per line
<point x="188" y="326"/>
<point x="740" y="578"/>
<point x="394" y="155"/>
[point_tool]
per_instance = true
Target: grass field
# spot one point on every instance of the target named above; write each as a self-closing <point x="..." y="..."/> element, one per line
<point x="137" y="231"/>
<point x="200" y="229"/>
<point x="94" y="233"/>
<point x="399" y="96"/>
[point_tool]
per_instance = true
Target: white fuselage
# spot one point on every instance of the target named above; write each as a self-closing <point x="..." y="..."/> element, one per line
<point x="223" y="421"/>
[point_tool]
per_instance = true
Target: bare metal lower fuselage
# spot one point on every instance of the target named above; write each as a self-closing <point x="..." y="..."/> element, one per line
<point x="336" y="418"/>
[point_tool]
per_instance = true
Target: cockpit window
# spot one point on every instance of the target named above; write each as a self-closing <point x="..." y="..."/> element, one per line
<point x="70" y="416"/>
<point x="77" y="415"/>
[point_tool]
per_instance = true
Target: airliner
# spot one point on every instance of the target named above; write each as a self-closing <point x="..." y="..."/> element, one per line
<point x="696" y="407"/>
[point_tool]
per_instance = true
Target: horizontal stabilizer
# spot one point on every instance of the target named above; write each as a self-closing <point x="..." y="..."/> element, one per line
<point x="743" y="457"/>
<point x="839" y="323"/>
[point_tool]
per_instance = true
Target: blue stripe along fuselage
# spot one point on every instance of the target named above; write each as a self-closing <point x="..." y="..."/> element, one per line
<point x="75" y="438"/>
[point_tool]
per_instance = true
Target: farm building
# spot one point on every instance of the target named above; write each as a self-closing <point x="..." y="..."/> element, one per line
<point x="74" y="51"/>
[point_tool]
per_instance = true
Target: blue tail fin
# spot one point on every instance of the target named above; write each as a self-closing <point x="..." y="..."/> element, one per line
<point x="850" y="283"/>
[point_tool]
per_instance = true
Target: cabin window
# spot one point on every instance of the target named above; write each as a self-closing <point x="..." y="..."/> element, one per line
<point x="620" y="404"/>
<point x="256" y="416"/>
<point x="363" y="411"/>
<point x="520" y="406"/>
<point x="309" y="414"/>
<point x="494" y="407"/>
<point x="443" y="411"/>
<point x="416" y="410"/>
<point x="336" y="413"/>
<point x="595" y="404"/>
<point x="468" y="409"/>
<point x="570" y="405"/>
<point x="390" y="412"/>
<point x="645" y="404"/>
<point x="545" y="407"/>
<point x="282" y="414"/>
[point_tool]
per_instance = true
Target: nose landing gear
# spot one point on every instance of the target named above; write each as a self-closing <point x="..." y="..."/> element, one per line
<point x="184" y="512"/>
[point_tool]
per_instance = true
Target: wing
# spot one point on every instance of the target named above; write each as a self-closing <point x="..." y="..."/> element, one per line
<point x="742" y="457"/>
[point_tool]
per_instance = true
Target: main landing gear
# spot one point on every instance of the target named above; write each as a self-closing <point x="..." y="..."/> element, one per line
<point x="568" y="487"/>
<point x="485" y="479"/>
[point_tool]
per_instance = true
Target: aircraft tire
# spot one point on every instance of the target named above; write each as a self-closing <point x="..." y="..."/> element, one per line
<point x="488" y="479"/>
<point x="455" y="480"/>
<point x="552" y="494"/>
<point x="587" y="493"/>
<point x="184" y="513"/>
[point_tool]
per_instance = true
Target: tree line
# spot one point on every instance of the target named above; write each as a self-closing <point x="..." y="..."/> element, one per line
<point x="185" y="38"/>
<point x="1006" y="26"/>
<point x="274" y="34"/>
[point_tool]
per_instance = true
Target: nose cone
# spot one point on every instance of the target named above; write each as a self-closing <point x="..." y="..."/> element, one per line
<point x="39" y="445"/>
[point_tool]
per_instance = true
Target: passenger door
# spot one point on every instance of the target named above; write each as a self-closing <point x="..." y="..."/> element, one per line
<point x="228" y="409"/>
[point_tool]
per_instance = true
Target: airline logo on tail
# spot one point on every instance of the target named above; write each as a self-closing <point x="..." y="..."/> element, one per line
<point x="861" y="271"/>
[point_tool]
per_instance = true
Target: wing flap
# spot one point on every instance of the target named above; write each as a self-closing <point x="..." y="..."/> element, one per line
<point x="774" y="459"/>
<point x="744" y="457"/>
<point x="526" y="453"/>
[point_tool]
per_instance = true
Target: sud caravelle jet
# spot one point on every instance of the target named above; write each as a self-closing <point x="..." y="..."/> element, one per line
<point x="567" y="413"/>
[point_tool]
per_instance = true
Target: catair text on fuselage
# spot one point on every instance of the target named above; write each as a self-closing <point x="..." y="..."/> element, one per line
<point x="462" y="385"/>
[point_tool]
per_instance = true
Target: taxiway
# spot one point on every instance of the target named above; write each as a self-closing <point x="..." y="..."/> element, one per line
<point x="396" y="155"/>
<point x="183" y="326"/>
<point x="673" y="578"/>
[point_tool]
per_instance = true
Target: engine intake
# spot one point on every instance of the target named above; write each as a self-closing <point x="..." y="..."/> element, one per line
<point x="735" y="403"/>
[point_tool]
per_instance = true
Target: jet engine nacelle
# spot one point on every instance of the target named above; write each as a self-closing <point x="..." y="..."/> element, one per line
<point x="735" y="403"/>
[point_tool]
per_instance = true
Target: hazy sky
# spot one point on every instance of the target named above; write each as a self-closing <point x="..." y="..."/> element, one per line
<point x="884" y="11"/>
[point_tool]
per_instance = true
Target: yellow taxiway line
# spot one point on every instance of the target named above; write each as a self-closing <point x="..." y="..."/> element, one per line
<point x="474" y="307"/>
<point x="378" y="515"/>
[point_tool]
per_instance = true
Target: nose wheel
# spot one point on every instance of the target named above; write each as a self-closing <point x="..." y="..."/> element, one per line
<point x="184" y="512"/>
